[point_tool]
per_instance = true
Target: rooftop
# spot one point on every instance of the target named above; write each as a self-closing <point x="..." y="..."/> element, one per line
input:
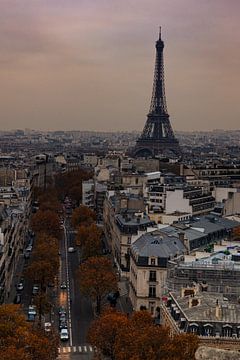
<point x="205" y="310"/>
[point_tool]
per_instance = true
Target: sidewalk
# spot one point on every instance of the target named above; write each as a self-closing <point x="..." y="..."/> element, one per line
<point x="124" y="303"/>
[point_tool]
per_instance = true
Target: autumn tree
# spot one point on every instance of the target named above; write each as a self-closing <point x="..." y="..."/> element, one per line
<point x="104" y="331"/>
<point x="44" y="265"/>
<point x="43" y="304"/>
<point x="83" y="215"/>
<point x="70" y="184"/>
<point x="136" y="338"/>
<point x="97" y="279"/>
<point x="46" y="221"/>
<point x="21" y="340"/>
<point x="89" y="239"/>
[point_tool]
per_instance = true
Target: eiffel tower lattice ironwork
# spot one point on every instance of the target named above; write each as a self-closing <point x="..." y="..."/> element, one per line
<point x="157" y="138"/>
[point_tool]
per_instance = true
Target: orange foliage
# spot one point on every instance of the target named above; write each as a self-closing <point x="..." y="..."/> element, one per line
<point x="83" y="216"/>
<point x="46" y="222"/>
<point x="97" y="278"/>
<point x="70" y="184"/>
<point x="137" y="338"/>
<point x="89" y="238"/>
<point x="20" y="340"/>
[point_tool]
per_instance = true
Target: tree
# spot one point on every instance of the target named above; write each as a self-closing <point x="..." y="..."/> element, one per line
<point x="21" y="340"/>
<point x="104" y="330"/>
<point x="83" y="216"/>
<point x="89" y="239"/>
<point x="97" y="279"/>
<point x="70" y="184"/>
<point x="43" y="304"/>
<point x="46" y="222"/>
<point x="136" y="338"/>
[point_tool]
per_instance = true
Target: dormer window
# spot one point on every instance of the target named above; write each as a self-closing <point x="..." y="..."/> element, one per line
<point x="153" y="261"/>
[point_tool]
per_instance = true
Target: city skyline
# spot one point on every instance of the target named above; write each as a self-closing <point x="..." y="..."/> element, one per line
<point x="80" y="65"/>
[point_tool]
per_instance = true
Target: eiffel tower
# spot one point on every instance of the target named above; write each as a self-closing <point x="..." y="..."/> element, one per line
<point x="157" y="138"/>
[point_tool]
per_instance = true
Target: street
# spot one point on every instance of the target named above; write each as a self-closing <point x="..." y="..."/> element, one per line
<point x="79" y="308"/>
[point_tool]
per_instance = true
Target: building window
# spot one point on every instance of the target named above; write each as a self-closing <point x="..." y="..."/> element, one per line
<point x="152" y="276"/>
<point x="153" y="261"/>
<point x="227" y="330"/>
<point x="152" y="291"/>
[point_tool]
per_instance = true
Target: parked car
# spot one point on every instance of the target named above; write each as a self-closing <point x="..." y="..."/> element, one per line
<point x="35" y="289"/>
<point x="47" y="326"/>
<point x="29" y="248"/>
<point x="26" y="255"/>
<point x="20" y="286"/>
<point x="31" y="312"/>
<point x="64" y="335"/>
<point x="17" y="299"/>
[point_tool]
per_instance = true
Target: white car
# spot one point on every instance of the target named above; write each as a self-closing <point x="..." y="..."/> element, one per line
<point x="20" y="286"/>
<point x="71" y="249"/>
<point x="47" y="326"/>
<point x="64" y="335"/>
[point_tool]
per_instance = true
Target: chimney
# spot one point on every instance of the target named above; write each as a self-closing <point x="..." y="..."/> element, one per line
<point x="218" y="311"/>
<point x="184" y="241"/>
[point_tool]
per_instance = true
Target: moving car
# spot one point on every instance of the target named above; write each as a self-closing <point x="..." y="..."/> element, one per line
<point x="62" y="310"/>
<point x="63" y="325"/>
<point x="71" y="249"/>
<point x="63" y="286"/>
<point x="64" y="335"/>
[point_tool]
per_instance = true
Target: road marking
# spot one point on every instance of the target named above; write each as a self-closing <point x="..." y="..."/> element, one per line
<point x="80" y="349"/>
<point x="85" y="348"/>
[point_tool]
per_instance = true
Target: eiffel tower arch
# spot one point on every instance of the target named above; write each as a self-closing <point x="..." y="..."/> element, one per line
<point x="157" y="138"/>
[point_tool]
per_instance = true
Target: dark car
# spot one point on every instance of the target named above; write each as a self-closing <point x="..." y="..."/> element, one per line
<point x="62" y="317"/>
<point x="62" y="325"/>
<point x="17" y="299"/>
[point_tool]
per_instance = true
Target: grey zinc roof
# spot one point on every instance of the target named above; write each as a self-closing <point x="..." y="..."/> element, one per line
<point x="191" y="234"/>
<point x="155" y="245"/>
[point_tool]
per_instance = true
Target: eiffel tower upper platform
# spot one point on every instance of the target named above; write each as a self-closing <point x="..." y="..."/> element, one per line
<point x="157" y="138"/>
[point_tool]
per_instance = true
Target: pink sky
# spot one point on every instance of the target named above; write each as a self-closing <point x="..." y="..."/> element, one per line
<point x="88" y="64"/>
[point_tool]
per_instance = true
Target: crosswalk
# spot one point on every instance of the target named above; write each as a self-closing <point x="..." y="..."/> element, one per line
<point x="75" y="349"/>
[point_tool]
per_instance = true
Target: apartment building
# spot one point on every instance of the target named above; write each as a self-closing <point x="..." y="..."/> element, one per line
<point x="149" y="258"/>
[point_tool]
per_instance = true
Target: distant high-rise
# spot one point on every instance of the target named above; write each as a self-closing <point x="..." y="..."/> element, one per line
<point x="157" y="138"/>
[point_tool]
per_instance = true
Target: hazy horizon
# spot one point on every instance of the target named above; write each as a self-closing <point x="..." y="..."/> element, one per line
<point x="88" y="65"/>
